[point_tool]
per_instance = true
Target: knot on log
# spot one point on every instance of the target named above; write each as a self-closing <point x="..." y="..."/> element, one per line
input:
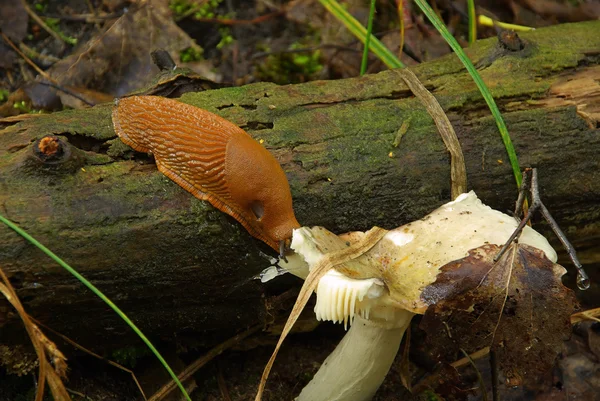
<point x="52" y="149"/>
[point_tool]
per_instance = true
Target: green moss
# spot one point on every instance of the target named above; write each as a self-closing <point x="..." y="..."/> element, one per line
<point x="199" y="10"/>
<point x="430" y="395"/>
<point x="226" y="37"/>
<point x="4" y="95"/>
<point x="95" y="122"/>
<point x="117" y="149"/>
<point x="292" y="66"/>
<point x="23" y="106"/>
<point x="40" y="6"/>
<point x="190" y="54"/>
<point x="54" y="24"/>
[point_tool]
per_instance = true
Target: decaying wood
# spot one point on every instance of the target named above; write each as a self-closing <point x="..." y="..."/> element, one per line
<point x="183" y="270"/>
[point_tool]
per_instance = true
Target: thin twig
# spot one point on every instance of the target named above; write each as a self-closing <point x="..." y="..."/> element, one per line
<point x="87" y="351"/>
<point x="34" y="53"/>
<point x="475" y="355"/>
<point x="429" y="380"/>
<point x="583" y="281"/>
<point x="78" y="394"/>
<point x="41" y="22"/>
<point x="50" y="82"/>
<point x="67" y="91"/>
<point x="582" y="278"/>
<point x="91" y="18"/>
<point x="535" y="205"/>
<point x="27" y="59"/>
<point x="522" y="194"/>
<point x="94" y="12"/>
<point x="518" y="230"/>
<point x="495" y="375"/>
<point x="478" y="373"/>
<point x="203" y="360"/>
<point x="222" y="385"/>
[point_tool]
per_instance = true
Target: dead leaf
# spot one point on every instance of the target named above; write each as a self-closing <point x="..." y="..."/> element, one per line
<point x="117" y="60"/>
<point x="516" y="306"/>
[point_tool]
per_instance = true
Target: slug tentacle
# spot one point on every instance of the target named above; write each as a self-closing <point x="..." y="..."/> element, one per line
<point x="213" y="159"/>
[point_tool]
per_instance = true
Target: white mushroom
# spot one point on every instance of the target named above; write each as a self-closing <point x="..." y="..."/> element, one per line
<point x="379" y="292"/>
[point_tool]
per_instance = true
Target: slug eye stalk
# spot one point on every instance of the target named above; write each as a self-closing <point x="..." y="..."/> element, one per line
<point x="530" y="184"/>
<point x="283" y="248"/>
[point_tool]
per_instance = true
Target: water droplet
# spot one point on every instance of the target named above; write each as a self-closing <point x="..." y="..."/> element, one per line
<point x="583" y="282"/>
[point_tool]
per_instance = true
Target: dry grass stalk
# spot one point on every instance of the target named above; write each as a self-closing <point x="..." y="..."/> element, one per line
<point x="44" y="348"/>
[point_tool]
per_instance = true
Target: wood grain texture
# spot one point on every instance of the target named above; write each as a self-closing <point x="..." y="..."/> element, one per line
<point x="213" y="159"/>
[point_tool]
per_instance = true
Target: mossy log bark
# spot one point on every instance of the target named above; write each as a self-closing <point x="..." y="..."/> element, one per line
<point x="179" y="267"/>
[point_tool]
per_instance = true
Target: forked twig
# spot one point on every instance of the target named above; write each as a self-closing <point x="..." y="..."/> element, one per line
<point x="583" y="280"/>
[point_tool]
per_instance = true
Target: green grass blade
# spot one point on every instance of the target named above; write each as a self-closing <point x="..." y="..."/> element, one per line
<point x="484" y="20"/>
<point x="365" y="57"/>
<point x="487" y="96"/>
<point x="472" y="21"/>
<point x="100" y="295"/>
<point x="388" y="58"/>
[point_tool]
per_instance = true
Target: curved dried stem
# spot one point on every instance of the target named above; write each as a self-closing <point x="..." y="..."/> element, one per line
<point x="458" y="171"/>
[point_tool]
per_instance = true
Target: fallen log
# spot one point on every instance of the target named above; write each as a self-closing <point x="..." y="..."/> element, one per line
<point x="180" y="268"/>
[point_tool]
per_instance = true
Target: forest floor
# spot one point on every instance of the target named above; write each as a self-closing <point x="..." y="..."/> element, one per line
<point x="89" y="52"/>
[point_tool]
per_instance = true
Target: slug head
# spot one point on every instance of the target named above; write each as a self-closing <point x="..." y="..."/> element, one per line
<point x="259" y="186"/>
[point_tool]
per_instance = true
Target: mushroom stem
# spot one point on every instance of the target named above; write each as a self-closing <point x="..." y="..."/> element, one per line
<point x="356" y="368"/>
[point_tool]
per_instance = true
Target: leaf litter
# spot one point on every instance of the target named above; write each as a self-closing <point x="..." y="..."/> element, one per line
<point x="516" y="306"/>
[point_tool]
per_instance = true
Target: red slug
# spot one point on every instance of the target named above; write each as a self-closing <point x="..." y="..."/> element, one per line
<point x="214" y="160"/>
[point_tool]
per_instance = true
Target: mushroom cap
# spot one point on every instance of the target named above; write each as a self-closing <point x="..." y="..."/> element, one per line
<point x="407" y="259"/>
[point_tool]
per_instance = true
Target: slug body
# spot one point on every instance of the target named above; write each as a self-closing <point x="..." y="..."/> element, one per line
<point x="214" y="160"/>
